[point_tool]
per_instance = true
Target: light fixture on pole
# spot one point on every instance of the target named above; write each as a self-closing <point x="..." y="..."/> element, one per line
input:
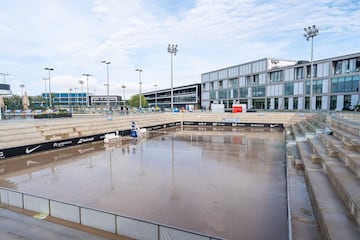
<point x="311" y="32"/>
<point x="76" y="98"/>
<point x="155" y="86"/>
<point x="139" y="70"/>
<point x="69" y="99"/>
<point x="22" y="89"/>
<point x="107" y="83"/>
<point x="45" y="79"/>
<point x="172" y="49"/>
<point x="87" y="88"/>
<point x="49" y="69"/>
<point x="123" y="87"/>
<point x="4" y="75"/>
<point x="81" y="82"/>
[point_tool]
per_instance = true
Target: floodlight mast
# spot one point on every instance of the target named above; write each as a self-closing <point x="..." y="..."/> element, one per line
<point x="172" y="49"/>
<point x="311" y="32"/>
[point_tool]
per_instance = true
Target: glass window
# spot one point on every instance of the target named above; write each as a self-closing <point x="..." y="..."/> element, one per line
<point x="276" y="76"/>
<point x="223" y="94"/>
<point x="235" y="93"/>
<point x="289" y="89"/>
<point x="247" y="80"/>
<point x="299" y="73"/>
<point x="243" y="92"/>
<point x="213" y="94"/>
<point x="295" y="103"/>
<point x="355" y="84"/>
<point x="318" y="102"/>
<point x="286" y="103"/>
<point x="258" y="91"/>
<point x="333" y="100"/>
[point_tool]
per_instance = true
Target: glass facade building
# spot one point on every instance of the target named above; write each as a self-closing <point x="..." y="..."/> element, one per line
<point x="279" y="84"/>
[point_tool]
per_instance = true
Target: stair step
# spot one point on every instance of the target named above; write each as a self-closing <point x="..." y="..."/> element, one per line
<point x="333" y="218"/>
<point x="346" y="183"/>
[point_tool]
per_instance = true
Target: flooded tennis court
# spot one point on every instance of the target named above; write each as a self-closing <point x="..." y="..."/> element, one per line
<point x="231" y="185"/>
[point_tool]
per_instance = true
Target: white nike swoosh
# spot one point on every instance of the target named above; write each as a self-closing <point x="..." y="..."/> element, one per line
<point x="27" y="150"/>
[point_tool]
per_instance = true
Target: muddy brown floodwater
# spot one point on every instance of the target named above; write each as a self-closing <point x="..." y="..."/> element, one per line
<point x="232" y="186"/>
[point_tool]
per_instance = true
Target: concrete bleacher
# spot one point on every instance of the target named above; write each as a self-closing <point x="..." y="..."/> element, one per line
<point x="332" y="176"/>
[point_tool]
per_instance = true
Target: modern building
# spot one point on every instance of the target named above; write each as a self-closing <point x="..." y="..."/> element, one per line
<point x="271" y="83"/>
<point x="75" y="100"/>
<point x="184" y="97"/>
<point x="5" y="89"/>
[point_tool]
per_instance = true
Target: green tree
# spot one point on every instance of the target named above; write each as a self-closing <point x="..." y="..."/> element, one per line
<point x="14" y="102"/>
<point x="135" y="100"/>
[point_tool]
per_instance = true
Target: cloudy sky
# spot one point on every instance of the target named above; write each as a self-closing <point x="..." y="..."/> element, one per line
<point x="73" y="37"/>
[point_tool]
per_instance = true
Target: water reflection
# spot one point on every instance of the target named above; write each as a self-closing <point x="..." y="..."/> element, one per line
<point x="230" y="185"/>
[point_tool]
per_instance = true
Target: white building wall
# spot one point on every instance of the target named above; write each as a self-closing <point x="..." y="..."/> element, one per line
<point x="339" y="102"/>
<point x="325" y="87"/>
<point x="324" y="102"/>
<point x="354" y="99"/>
<point x="291" y="103"/>
<point x="300" y="103"/>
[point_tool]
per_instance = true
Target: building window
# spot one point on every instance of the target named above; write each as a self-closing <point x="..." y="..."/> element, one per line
<point x="317" y="86"/>
<point x="318" y="102"/>
<point x="258" y="103"/>
<point x="289" y="89"/>
<point x="307" y="103"/>
<point x="286" y="103"/>
<point x="243" y="92"/>
<point x="333" y="102"/>
<point x="276" y="76"/>
<point x="314" y="70"/>
<point x="295" y="103"/>
<point x="221" y="84"/>
<point x="255" y="79"/>
<point x="299" y="73"/>
<point x="346" y="66"/>
<point x="258" y="91"/>
<point x="347" y="101"/>
<point x="213" y="94"/>
<point x="345" y="84"/>
<point x="223" y="94"/>
<point x="212" y="86"/>
<point x="235" y="93"/>
<point x="247" y="80"/>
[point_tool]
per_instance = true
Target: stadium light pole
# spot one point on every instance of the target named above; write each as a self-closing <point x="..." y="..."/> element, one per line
<point x="107" y="84"/>
<point x="172" y="49"/>
<point x="87" y="88"/>
<point x="155" y="86"/>
<point x="123" y="87"/>
<point x="311" y="32"/>
<point x="139" y="70"/>
<point x="45" y="79"/>
<point x="22" y="89"/>
<point x="81" y="82"/>
<point x="4" y="75"/>
<point x="49" y="69"/>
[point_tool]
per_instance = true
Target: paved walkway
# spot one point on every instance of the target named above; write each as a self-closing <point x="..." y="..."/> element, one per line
<point x="15" y="225"/>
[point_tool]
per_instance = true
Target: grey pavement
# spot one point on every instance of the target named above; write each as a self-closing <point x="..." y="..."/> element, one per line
<point x="14" y="225"/>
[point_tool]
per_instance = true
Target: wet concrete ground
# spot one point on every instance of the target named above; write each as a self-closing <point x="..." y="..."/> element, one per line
<point x="231" y="186"/>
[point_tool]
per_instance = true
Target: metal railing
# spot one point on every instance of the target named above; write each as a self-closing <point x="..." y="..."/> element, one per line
<point x="106" y="221"/>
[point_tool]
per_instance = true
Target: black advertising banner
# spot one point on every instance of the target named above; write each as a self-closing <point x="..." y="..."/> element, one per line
<point x="45" y="146"/>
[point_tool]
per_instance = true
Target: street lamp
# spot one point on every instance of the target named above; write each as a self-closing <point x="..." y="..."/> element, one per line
<point x="22" y="89"/>
<point x="155" y="86"/>
<point x="107" y="84"/>
<point x="69" y="100"/>
<point x="87" y="88"/>
<point x="45" y="93"/>
<point x="123" y="87"/>
<point x="76" y="99"/>
<point x="49" y="69"/>
<point x="311" y="32"/>
<point x="81" y="93"/>
<point x="172" y="49"/>
<point x="4" y="74"/>
<point x="139" y="70"/>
